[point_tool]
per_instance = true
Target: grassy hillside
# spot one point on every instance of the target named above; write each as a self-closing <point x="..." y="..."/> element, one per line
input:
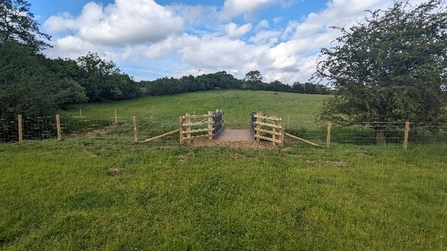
<point x="108" y="193"/>
<point x="237" y="105"/>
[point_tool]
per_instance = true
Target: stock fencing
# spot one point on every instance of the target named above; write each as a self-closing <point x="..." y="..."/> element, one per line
<point x="375" y="133"/>
<point x="394" y="133"/>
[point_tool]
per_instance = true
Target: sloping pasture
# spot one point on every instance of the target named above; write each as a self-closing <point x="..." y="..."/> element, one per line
<point x="108" y="193"/>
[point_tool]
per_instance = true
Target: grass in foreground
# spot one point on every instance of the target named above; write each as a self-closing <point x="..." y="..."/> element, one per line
<point x="64" y="195"/>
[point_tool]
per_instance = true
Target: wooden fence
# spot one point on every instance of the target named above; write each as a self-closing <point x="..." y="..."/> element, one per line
<point x="207" y="126"/>
<point x="270" y="128"/>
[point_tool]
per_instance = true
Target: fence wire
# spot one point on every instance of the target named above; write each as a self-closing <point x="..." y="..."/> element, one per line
<point x="123" y="127"/>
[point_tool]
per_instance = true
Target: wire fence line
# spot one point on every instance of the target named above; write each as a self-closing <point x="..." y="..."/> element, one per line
<point x="147" y="127"/>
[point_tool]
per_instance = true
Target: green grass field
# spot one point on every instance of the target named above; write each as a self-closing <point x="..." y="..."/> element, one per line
<point x="237" y="105"/>
<point x="108" y="193"/>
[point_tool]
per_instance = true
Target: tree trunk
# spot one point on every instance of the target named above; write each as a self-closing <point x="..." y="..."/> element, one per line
<point x="380" y="136"/>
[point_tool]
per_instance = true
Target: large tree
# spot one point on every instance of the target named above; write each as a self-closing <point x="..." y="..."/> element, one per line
<point x="17" y="23"/>
<point x="389" y="68"/>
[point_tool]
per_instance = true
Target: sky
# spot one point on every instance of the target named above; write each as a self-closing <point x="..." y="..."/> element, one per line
<point x="150" y="39"/>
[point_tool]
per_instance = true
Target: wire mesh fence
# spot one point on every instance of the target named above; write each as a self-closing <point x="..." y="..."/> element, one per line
<point x="141" y="128"/>
<point x="375" y="133"/>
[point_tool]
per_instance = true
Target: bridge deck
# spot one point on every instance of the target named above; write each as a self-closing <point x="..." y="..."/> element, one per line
<point x="236" y="135"/>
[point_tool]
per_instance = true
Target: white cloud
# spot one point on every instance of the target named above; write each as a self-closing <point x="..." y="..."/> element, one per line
<point x="203" y="39"/>
<point x="125" y="22"/>
<point x="250" y="9"/>
<point x="235" y="32"/>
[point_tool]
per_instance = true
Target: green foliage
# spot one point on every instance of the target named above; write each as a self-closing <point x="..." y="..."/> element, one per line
<point x="103" y="81"/>
<point x="224" y="81"/>
<point x="27" y="85"/>
<point x="17" y="24"/>
<point x="109" y="194"/>
<point x="390" y="68"/>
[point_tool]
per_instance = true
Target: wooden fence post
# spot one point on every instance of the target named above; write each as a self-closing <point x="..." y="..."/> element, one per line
<point x="80" y="113"/>
<point x="135" y="128"/>
<point x="58" y="127"/>
<point x="274" y="122"/>
<point x="328" y="138"/>
<point x="188" y="121"/>
<point x="407" y="132"/>
<point x="180" y="129"/>
<point x="210" y="125"/>
<point x="20" y="128"/>
<point x="258" y="127"/>
<point x="282" y="132"/>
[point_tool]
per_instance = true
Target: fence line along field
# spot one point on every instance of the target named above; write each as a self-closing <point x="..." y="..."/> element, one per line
<point x="104" y="192"/>
<point x="158" y="115"/>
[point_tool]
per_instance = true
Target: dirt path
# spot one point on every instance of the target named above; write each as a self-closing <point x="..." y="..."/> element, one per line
<point x="236" y="135"/>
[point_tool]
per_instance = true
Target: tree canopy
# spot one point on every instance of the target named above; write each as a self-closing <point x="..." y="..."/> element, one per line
<point x="389" y="68"/>
<point x="17" y="23"/>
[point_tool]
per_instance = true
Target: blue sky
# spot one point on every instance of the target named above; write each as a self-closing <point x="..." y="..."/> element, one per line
<point x="150" y="39"/>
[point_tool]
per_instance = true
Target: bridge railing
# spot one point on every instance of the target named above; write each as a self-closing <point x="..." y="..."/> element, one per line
<point x="207" y="126"/>
<point x="270" y="128"/>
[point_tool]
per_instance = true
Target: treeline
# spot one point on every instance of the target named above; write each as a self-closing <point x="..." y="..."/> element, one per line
<point x="34" y="85"/>
<point x="223" y="81"/>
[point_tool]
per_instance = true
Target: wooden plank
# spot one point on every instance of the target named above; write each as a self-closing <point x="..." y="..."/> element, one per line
<point x="197" y="123"/>
<point x="195" y="130"/>
<point x="267" y="117"/>
<point x="270" y="139"/>
<point x="160" y="136"/>
<point x="268" y="125"/>
<point x="301" y="139"/>
<point x="270" y="132"/>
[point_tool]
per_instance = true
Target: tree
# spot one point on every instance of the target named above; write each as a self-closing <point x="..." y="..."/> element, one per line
<point x="17" y="24"/>
<point x="104" y="81"/>
<point x="253" y="81"/>
<point x="392" y="67"/>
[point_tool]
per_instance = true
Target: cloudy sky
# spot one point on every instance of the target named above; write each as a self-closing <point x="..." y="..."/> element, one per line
<point x="150" y="39"/>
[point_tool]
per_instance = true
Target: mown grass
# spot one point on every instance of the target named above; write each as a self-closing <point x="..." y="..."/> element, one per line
<point x="63" y="195"/>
